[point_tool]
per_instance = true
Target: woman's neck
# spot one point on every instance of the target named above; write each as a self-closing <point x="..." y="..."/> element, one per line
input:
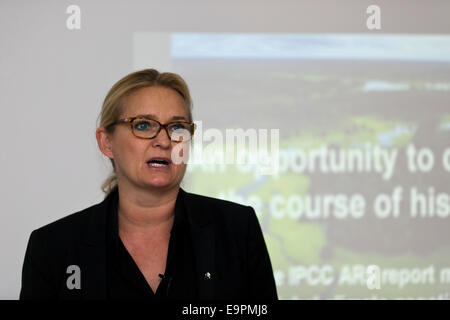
<point x="142" y="212"/>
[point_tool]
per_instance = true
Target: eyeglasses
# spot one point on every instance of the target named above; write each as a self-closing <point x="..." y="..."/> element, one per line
<point x="145" y="128"/>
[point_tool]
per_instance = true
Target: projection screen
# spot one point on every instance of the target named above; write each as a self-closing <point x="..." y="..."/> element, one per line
<point x="355" y="204"/>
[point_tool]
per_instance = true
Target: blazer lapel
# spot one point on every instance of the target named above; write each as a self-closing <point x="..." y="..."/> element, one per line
<point x="93" y="273"/>
<point x="93" y="252"/>
<point x="203" y="244"/>
<point x="202" y="233"/>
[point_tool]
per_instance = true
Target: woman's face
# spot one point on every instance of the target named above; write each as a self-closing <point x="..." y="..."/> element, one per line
<point x="131" y="154"/>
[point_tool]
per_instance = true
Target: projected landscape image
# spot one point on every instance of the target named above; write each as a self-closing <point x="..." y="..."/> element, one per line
<point x="382" y="100"/>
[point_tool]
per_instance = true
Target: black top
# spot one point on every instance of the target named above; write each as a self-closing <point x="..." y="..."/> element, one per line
<point x="124" y="280"/>
<point x="228" y="256"/>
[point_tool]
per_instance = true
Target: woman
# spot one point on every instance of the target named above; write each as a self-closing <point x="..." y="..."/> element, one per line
<point x="149" y="238"/>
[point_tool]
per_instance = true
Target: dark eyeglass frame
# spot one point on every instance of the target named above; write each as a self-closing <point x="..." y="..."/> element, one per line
<point x="165" y="126"/>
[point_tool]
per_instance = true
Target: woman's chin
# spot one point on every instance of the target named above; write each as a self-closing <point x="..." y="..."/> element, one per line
<point x="159" y="183"/>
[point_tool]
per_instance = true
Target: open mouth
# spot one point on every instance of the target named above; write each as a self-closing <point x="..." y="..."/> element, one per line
<point x="158" y="163"/>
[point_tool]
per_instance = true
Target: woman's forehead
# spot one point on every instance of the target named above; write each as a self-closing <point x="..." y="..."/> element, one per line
<point x="156" y="117"/>
<point x="157" y="103"/>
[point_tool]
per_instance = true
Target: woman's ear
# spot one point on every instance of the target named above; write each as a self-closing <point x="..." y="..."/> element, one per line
<point x="104" y="142"/>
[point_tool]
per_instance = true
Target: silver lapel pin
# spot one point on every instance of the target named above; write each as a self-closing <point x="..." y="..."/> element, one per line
<point x="207" y="276"/>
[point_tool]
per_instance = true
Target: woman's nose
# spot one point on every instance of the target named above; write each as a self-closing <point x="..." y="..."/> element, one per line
<point x="162" y="139"/>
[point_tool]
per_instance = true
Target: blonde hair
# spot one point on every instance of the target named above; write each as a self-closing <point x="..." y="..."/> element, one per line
<point x="114" y="103"/>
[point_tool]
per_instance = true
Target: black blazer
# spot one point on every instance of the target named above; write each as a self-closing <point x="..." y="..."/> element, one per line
<point x="227" y="240"/>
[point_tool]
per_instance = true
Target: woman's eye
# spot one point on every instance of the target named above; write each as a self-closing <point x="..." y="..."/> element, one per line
<point x="177" y="126"/>
<point x="142" y="126"/>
